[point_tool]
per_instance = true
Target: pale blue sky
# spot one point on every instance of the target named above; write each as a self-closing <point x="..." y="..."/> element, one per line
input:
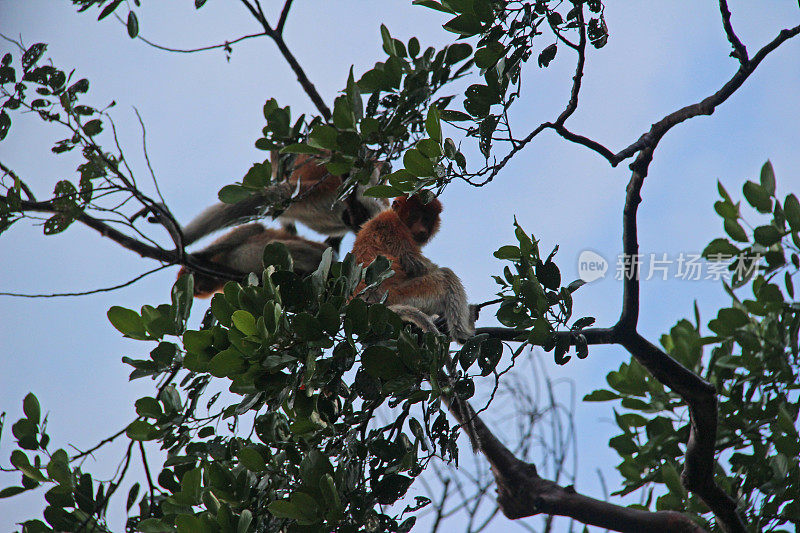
<point x="203" y="115"/>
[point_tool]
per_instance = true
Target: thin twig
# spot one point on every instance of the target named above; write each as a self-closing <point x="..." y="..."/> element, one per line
<point x="147" y="156"/>
<point x="99" y="444"/>
<point x="85" y="293"/>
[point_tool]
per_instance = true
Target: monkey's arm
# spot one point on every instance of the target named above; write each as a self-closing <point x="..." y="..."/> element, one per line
<point x="415" y="264"/>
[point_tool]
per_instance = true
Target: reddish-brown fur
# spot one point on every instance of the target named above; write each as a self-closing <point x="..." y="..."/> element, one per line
<point x="398" y="234"/>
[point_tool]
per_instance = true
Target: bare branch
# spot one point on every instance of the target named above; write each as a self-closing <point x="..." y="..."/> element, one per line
<point x="147" y="156"/>
<point x="226" y="45"/>
<point x="172" y="257"/>
<point x="277" y="37"/>
<point x="85" y="293"/>
<point x="572" y="105"/>
<point x="99" y="444"/>
<point x="284" y="14"/>
<point x="708" y="104"/>
<point x="739" y="50"/>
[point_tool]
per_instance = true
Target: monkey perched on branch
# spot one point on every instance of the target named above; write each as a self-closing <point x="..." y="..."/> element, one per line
<point x="398" y="234"/>
<point x="315" y="203"/>
<point x="242" y="249"/>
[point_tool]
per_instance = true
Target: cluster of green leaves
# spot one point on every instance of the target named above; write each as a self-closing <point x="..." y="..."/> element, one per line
<point x="393" y="120"/>
<point x="765" y="242"/>
<point x="753" y="363"/>
<point x="56" y="100"/>
<point x="306" y="366"/>
<point x="69" y="488"/>
<point x="507" y="32"/>
<point x="534" y="301"/>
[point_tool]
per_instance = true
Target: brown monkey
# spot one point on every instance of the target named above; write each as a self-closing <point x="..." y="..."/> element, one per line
<point x="242" y="249"/>
<point x="315" y="204"/>
<point x="398" y="234"/>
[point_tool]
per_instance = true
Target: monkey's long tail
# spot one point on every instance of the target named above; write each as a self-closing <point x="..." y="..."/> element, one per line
<point x="460" y="408"/>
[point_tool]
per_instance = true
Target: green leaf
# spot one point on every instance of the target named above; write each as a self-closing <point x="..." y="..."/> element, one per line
<point x="391" y="488"/>
<point x="547" y="55"/>
<point x="5" y="124"/>
<point x="791" y="209"/>
<point x="140" y="430"/>
<point x="767" y="235"/>
<point x="148" y="407"/>
<point x="735" y="231"/>
<point x="300" y="148"/>
<point x="388" y="44"/>
<point x="93" y="127"/>
<point x="231" y="194"/>
<point x="277" y="253"/>
<point x="489" y="54"/>
<point x="757" y="196"/>
<point x="457" y="52"/>
<point x="432" y="4"/>
<point x="244" y="322"/>
<point x="31" y="408"/>
<point x="244" y="521"/>
<point x="726" y="210"/>
<point x="465" y="25"/>
<point x="601" y="395"/>
<point x="109" y="9"/>
<point x="489" y="356"/>
<point x="720" y="248"/>
<point x="323" y="136"/>
<point x="8" y="492"/>
<point x="432" y="125"/>
<point x="768" y="178"/>
<point x="154" y="525"/>
<point x="307" y="327"/>
<point x="252" y="459"/>
<point x="430" y="148"/>
<point x="127" y="322"/>
<point x="416" y="163"/>
<point x="383" y="191"/>
<point x="382" y="362"/>
<point x="133" y="25"/>
<point x="227" y="363"/>
<point x="454" y="116"/>
<point x="34" y="53"/>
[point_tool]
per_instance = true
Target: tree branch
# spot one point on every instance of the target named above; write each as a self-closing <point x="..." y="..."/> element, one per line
<point x="739" y="50"/>
<point x="277" y="37"/>
<point x="284" y="14"/>
<point x="172" y="257"/>
<point x="522" y="493"/>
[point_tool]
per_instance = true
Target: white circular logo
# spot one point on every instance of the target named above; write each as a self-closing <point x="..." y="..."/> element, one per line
<point x="591" y="266"/>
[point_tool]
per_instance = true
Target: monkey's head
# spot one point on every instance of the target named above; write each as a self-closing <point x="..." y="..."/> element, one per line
<point x="422" y="219"/>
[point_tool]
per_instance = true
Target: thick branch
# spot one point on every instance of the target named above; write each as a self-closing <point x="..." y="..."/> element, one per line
<point x="522" y="493"/>
<point x="699" y="395"/>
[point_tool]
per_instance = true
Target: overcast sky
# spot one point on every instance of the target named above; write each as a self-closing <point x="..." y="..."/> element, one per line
<point x="203" y="114"/>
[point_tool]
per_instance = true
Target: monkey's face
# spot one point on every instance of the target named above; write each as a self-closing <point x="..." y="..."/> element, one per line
<point x="421" y="229"/>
